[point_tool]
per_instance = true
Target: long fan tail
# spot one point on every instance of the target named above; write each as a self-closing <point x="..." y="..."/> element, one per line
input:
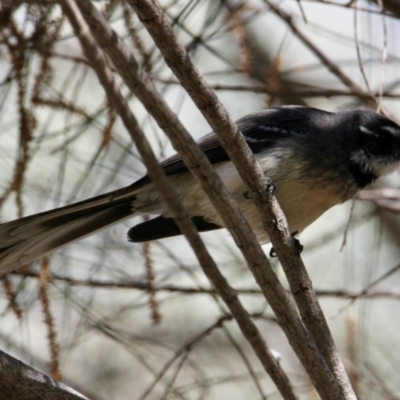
<point x="31" y="238"/>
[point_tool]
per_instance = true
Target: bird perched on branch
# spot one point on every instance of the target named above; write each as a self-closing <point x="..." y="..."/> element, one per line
<point x="316" y="159"/>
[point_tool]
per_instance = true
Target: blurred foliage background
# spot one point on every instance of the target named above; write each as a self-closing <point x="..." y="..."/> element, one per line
<point x="117" y="320"/>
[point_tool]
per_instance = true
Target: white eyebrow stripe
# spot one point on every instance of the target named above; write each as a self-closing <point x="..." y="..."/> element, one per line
<point x="390" y="129"/>
<point x="366" y="130"/>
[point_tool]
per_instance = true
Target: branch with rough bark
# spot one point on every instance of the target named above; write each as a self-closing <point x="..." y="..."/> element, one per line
<point x="20" y="381"/>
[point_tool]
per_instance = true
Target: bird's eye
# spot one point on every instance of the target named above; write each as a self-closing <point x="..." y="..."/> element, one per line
<point x="389" y="130"/>
<point x="378" y="139"/>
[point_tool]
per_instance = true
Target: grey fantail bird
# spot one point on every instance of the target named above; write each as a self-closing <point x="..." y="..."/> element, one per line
<point x="316" y="159"/>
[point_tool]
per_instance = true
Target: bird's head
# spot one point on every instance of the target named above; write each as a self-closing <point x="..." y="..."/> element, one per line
<point x="374" y="143"/>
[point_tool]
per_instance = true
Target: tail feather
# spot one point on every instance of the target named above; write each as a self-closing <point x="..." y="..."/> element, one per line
<point x="30" y="238"/>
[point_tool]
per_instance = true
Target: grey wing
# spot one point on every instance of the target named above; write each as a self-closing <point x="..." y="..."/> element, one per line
<point x="162" y="227"/>
<point x="257" y="138"/>
<point x="209" y="145"/>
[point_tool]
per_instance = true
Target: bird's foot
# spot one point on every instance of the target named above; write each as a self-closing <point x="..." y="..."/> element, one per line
<point x="247" y="195"/>
<point x="296" y="242"/>
<point x="270" y="187"/>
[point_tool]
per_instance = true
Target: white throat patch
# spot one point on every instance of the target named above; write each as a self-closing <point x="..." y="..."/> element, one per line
<point x="374" y="165"/>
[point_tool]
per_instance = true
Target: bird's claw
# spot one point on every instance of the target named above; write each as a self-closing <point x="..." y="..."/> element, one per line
<point x="296" y="242"/>
<point x="247" y="195"/>
<point x="271" y="187"/>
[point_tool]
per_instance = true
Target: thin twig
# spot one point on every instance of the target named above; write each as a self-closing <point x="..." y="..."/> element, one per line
<point x="54" y="365"/>
<point x="139" y="284"/>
